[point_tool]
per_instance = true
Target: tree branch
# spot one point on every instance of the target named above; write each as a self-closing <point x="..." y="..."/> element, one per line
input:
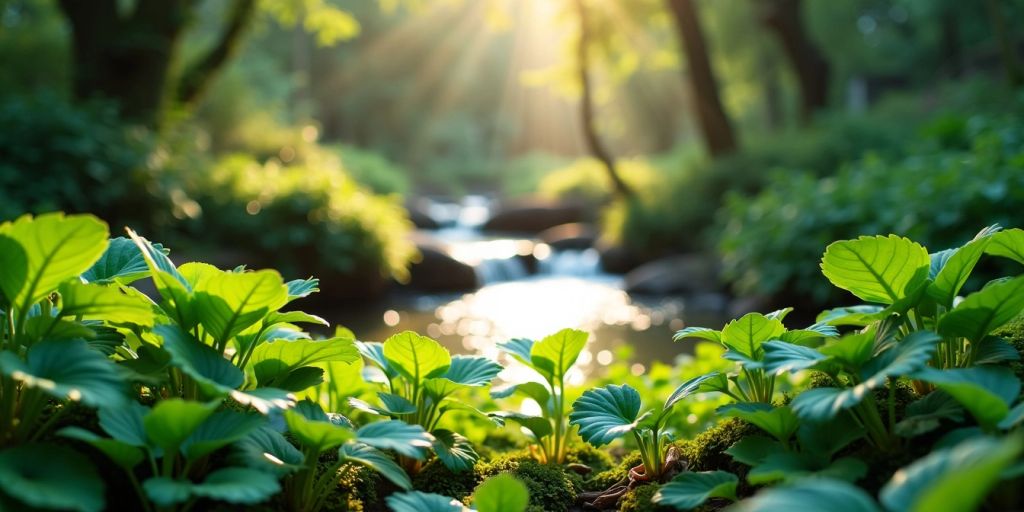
<point x="197" y="77"/>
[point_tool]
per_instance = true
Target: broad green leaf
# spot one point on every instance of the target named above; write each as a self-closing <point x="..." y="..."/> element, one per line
<point x="125" y="423"/>
<point x="317" y="435"/>
<point x="957" y="268"/>
<point x="993" y="350"/>
<point x="852" y="350"/>
<point x="173" y="420"/>
<point x="501" y="493"/>
<point x="781" y="357"/>
<point x="240" y="486"/>
<point x="174" y="289"/>
<point x="472" y="370"/>
<point x="375" y="353"/>
<point x="264" y="400"/>
<point x="925" y="415"/>
<point x="812" y="332"/>
<point x="300" y="317"/>
<point x="454" y="450"/>
<point x="52" y="328"/>
<point x="858" y="316"/>
<point x="272" y="362"/>
<point x="50" y="476"/>
<point x="538" y="426"/>
<point x="376" y="460"/>
<point x="122" y="262"/>
<point x="164" y="491"/>
<point x="823" y="404"/>
<point x="1013" y="418"/>
<point x="985" y="310"/>
<point x="299" y="288"/>
<point x="214" y="374"/>
<point x="606" y="413"/>
<point x="876" y="269"/>
<point x="810" y="494"/>
<point x="439" y="388"/>
<point x="416" y="357"/>
<point x="753" y="450"/>
<point x="405" y="439"/>
<point x="690" y="490"/>
<point x="703" y="333"/>
<point x="220" y="429"/>
<point x="985" y="391"/>
<point x="955" y="479"/>
<point x="124" y="455"/>
<point x="518" y="348"/>
<point x="267" y="450"/>
<point x="937" y="261"/>
<point x="828" y="438"/>
<point x="393" y="405"/>
<point x="793" y="466"/>
<point x="105" y="303"/>
<point x="688" y="388"/>
<point x="780" y="422"/>
<point x="227" y="302"/>
<point x="1008" y="244"/>
<point x="54" y="249"/>
<point x="301" y="379"/>
<point x="779" y="314"/>
<point x="534" y="390"/>
<point x="555" y="354"/>
<point x="416" y="501"/>
<point x="746" y="334"/>
<point x="67" y="370"/>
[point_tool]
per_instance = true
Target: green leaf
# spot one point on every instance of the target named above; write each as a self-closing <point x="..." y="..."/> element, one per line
<point x="316" y="434"/>
<point x="173" y="420"/>
<point x="54" y="249"/>
<point x="812" y="332"/>
<point x="876" y="269"/>
<point x="555" y="354"/>
<point x="416" y="357"/>
<point x="606" y="413"/>
<point x="107" y="303"/>
<point x="272" y="362"/>
<point x="518" y="348"/>
<point x="690" y="490"/>
<point x="299" y="317"/>
<point x="220" y="429"/>
<point x="983" y="311"/>
<point x="779" y="422"/>
<point x="828" y="438"/>
<point x="994" y="350"/>
<point x="1008" y="244"/>
<point x="501" y="493"/>
<point x="376" y="460"/>
<point x="853" y="350"/>
<point x="174" y="289"/>
<point x="67" y="370"/>
<point x="955" y="479"/>
<point x="538" y="426"/>
<point x="125" y="423"/>
<point x="164" y="491"/>
<point x="1013" y="418"/>
<point x="957" y="268"/>
<point x="228" y="302"/>
<point x="698" y="332"/>
<point x="214" y="374"/>
<point x="746" y="334"/>
<point x="267" y="450"/>
<point x="925" y="415"/>
<point x="121" y="262"/>
<point x="753" y="450"/>
<point x="264" y="400"/>
<point x="687" y="388"/>
<point x="405" y="439"/>
<point x="416" y="501"/>
<point x="781" y="357"/>
<point x="242" y="486"/>
<point x="810" y="494"/>
<point x="859" y="316"/>
<point x="534" y="390"/>
<point x="793" y="466"/>
<point x="454" y="450"/>
<point x="50" y="476"/>
<point x="394" y="405"/>
<point x="375" y="353"/>
<point x="472" y="370"/>
<point x="985" y="391"/>
<point x="300" y="288"/>
<point x="124" y="455"/>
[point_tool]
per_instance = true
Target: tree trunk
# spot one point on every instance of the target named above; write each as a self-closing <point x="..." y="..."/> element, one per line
<point x="784" y="18"/>
<point x="714" y="124"/>
<point x="594" y="141"/>
<point x="1007" y="47"/>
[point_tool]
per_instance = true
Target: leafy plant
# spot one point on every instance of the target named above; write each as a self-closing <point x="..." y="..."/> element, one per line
<point x="551" y="358"/>
<point x="501" y="493"/>
<point x="421" y="377"/>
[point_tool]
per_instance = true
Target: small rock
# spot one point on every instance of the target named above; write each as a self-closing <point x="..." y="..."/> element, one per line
<point x="576" y="235"/>
<point x="687" y="273"/>
<point x="532" y="217"/>
<point x="437" y="271"/>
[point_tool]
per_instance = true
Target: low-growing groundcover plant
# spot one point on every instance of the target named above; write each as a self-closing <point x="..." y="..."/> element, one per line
<point x="187" y="400"/>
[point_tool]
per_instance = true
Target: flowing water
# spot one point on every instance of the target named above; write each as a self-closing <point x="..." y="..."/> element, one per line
<point x="565" y="289"/>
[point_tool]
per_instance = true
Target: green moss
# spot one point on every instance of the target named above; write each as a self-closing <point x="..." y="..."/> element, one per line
<point x="552" y="489"/>
<point x="596" y="459"/>
<point x="435" y="477"/>
<point x="706" y="452"/>
<point x="1013" y="333"/>
<point x="607" y="478"/>
<point x="499" y="442"/>
<point x="639" y="500"/>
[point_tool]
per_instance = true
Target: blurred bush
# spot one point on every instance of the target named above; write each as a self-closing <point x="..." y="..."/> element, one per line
<point x="373" y="170"/>
<point x="967" y="172"/>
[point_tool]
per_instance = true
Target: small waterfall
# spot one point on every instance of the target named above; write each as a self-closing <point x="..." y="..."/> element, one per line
<point x="571" y="262"/>
<point x="497" y="270"/>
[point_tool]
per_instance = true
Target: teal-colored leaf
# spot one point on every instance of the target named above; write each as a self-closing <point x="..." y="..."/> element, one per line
<point x="501" y="493"/>
<point x="124" y="455"/>
<point x="1008" y="244"/>
<point x="793" y="466"/>
<point x="318" y="435"/>
<point x="472" y="370"/>
<point x="555" y="354"/>
<point x="829" y="437"/>
<point x="538" y="426"/>
<point x="606" y="413"/>
<point x="54" y="249"/>
<point x="214" y="374"/>
<point x="994" y="350"/>
<point x="125" y="423"/>
<point x="241" y="486"/>
<point x="67" y="370"/>
<point x="454" y="450"/>
<point x="416" y="357"/>
<point x="689" y="387"/>
<point x="173" y="420"/>
<point x="781" y="357"/>
<point x="812" y="332"/>
<point x="1013" y="418"/>
<point x="957" y="268"/>
<point x="220" y="429"/>
<point x="164" y="491"/>
<point x="175" y="291"/>
<point x="535" y="390"/>
<point x="300" y="288"/>
<point x="396" y="404"/>
<point x="405" y="439"/>
<point x="985" y="391"/>
<point x="267" y="450"/>
<point x="926" y="414"/>
<point x="228" y="302"/>
<point x="264" y="400"/>
<point x="779" y="422"/>
<point x="690" y="490"/>
<point x="810" y="494"/>
<point x="376" y="460"/>
<point x="858" y="316"/>
<point x="753" y="450"/>
<point x="852" y="350"/>
<point x="519" y="348"/>
<point x="375" y="353"/>
<point x="122" y="262"/>
<point x="50" y="476"/>
<point x="985" y="310"/>
<point x="703" y="333"/>
<point x="955" y="479"/>
<point x="876" y="269"/>
<point x="273" y="362"/>
<point x="416" y="501"/>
